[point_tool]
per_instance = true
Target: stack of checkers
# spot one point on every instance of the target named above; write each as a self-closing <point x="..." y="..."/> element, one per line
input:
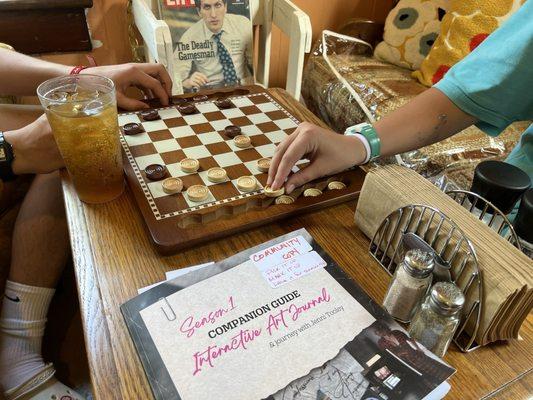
<point x="203" y="151"/>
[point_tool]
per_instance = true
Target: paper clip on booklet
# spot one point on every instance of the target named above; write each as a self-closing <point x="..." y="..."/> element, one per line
<point x="278" y="321"/>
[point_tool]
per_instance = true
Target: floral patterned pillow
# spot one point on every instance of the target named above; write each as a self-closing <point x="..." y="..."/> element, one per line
<point x="411" y="28"/>
<point x="466" y="25"/>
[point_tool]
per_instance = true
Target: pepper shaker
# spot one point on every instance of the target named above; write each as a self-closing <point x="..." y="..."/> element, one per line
<point x="409" y="284"/>
<point x="437" y="319"/>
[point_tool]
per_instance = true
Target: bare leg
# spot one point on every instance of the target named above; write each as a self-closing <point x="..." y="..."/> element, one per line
<point x="40" y="241"/>
<point x="12" y="117"/>
<point x="39" y="251"/>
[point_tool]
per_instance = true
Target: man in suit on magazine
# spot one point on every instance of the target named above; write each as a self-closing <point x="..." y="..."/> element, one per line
<point x="218" y="48"/>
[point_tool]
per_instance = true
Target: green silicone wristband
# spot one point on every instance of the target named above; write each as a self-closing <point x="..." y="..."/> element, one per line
<point x="371" y="135"/>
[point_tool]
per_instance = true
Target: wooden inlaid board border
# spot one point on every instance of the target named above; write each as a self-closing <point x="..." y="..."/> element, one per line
<point x="146" y="190"/>
<point x="175" y="222"/>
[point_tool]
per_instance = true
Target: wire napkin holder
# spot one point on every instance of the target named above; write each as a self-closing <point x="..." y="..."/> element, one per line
<point x="450" y="243"/>
<point x="487" y="212"/>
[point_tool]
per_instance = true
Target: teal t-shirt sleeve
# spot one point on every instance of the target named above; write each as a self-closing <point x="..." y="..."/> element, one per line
<point x="494" y="83"/>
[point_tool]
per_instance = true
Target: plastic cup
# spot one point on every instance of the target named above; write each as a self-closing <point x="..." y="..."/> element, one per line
<point x="82" y="112"/>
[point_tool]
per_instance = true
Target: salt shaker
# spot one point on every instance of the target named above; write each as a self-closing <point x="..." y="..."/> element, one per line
<point x="409" y="284"/>
<point x="436" y="321"/>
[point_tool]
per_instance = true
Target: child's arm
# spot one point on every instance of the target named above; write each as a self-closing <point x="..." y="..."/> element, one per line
<point x="21" y="74"/>
<point x="428" y="118"/>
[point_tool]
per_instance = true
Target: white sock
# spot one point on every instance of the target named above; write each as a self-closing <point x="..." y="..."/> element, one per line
<point x="22" y="323"/>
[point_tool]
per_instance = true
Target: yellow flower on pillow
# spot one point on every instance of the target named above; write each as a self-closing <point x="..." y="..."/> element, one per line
<point x="458" y="39"/>
<point x="496" y="8"/>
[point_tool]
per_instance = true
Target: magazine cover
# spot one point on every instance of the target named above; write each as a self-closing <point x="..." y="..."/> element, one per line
<point x="212" y="42"/>
<point x="278" y="321"/>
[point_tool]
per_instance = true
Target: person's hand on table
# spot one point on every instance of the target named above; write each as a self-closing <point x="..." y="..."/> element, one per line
<point x="197" y="79"/>
<point x="34" y="148"/>
<point x="327" y="151"/>
<point x="153" y="79"/>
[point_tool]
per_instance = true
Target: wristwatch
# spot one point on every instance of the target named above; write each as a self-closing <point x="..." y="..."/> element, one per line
<point x="369" y="137"/>
<point x="6" y="160"/>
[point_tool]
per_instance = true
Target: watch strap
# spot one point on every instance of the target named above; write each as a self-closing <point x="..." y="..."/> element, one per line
<point x="6" y="160"/>
<point x="363" y="140"/>
<point x="370" y="134"/>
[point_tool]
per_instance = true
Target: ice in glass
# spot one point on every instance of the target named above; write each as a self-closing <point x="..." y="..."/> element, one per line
<point x="82" y="112"/>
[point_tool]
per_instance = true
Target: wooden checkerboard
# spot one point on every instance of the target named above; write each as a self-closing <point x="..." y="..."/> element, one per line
<point x="173" y="220"/>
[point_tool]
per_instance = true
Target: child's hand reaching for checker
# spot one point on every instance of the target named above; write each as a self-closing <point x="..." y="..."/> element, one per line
<point x="152" y="78"/>
<point x="327" y="151"/>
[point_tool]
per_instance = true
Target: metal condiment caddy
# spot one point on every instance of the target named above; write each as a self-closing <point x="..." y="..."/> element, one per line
<point x="497" y="220"/>
<point x="433" y="229"/>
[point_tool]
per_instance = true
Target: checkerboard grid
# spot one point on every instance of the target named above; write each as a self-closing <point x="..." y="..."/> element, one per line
<point x="145" y="188"/>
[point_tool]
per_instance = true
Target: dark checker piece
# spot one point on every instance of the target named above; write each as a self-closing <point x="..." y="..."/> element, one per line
<point x="150" y="115"/>
<point x="155" y="172"/>
<point x="132" y="128"/>
<point x="178" y="100"/>
<point x="224" y="103"/>
<point x="200" y="97"/>
<point x="231" y="131"/>
<point x="187" y="108"/>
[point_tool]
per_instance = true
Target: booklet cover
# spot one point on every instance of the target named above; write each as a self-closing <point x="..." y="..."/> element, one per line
<point x="278" y="321"/>
<point x="212" y="42"/>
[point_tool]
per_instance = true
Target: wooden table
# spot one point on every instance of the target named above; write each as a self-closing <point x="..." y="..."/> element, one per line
<point x="113" y="258"/>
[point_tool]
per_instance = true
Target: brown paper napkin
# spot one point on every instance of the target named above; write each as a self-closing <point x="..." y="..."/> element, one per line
<point x="507" y="281"/>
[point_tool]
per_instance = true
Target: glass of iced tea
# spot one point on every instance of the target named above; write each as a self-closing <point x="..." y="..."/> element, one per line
<point x="82" y="112"/>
